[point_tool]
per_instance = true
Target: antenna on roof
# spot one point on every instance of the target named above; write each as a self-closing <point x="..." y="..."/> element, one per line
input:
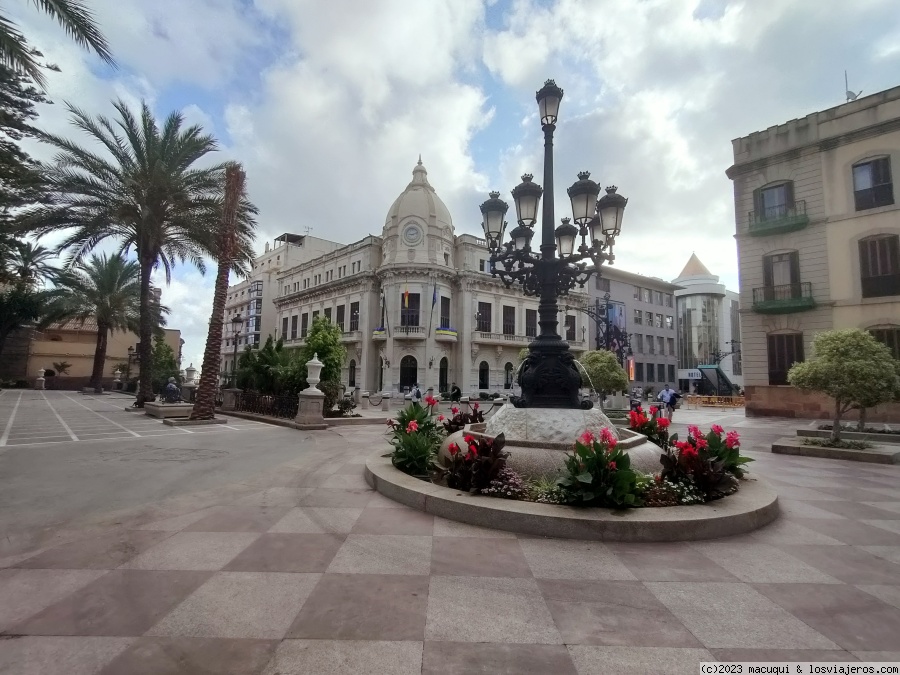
<point x="850" y="95"/>
<point x="307" y="229"/>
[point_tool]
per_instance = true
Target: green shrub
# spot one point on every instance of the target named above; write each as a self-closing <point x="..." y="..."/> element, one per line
<point x="413" y="453"/>
<point x="599" y="474"/>
<point x="332" y="391"/>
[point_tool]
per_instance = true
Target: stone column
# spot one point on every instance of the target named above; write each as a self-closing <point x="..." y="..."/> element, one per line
<point x="230" y="398"/>
<point x="385" y="401"/>
<point x="309" y="410"/>
<point x="364" y="400"/>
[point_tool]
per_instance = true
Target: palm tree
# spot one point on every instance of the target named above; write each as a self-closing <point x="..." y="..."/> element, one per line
<point x="146" y="196"/>
<point x="108" y="290"/>
<point x="76" y="19"/>
<point x="29" y="264"/>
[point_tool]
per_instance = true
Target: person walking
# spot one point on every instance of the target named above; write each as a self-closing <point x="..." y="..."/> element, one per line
<point x="455" y="393"/>
<point x="416" y="394"/>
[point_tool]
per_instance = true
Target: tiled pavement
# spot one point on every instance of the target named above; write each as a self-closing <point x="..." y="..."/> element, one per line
<point x="312" y="572"/>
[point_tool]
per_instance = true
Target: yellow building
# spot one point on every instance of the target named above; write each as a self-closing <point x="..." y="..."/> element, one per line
<point x="818" y="234"/>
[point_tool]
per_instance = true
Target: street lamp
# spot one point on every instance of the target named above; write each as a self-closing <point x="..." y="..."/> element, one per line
<point x="236" y="324"/>
<point x="549" y="377"/>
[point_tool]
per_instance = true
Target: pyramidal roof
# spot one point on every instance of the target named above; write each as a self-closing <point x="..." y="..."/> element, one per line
<point x="694" y="268"/>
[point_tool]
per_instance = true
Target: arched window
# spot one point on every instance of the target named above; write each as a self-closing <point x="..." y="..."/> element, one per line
<point x="889" y="336"/>
<point x="409" y="371"/>
<point x="484" y="375"/>
<point x="508" y="376"/>
<point x="352" y="378"/>
<point x="774" y="201"/>
<point x="443" y="375"/>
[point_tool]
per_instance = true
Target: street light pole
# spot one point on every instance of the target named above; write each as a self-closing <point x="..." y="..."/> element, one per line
<point x="236" y="324"/>
<point x="549" y="377"/>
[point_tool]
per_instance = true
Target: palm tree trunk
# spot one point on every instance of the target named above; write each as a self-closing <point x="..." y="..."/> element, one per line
<point x="145" y="348"/>
<point x="99" y="357"/>
<point x="205" y="403"/>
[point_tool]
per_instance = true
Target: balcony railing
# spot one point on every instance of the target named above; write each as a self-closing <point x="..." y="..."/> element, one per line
<point x="485" y="336"/>
<point x="351" y="336"/>
<point x="410" y="331"/>
<point x="779" y="219"/>
<point x="783" y="299"/>
<point x="881" y="286"/>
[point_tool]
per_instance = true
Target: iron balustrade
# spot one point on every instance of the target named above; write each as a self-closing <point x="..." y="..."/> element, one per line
<point x="779" y="211"/>
<point x="271" y="405"/>
<point x="801" y="290"/>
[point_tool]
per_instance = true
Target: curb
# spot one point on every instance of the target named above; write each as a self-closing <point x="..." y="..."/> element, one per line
<point x="876" y="455"/>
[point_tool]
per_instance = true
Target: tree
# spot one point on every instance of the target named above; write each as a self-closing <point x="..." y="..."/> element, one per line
<point x="604" y="374"/>
<point x="523" y="354"/>
<point x="76" y="20"/>
<point x="144" y="193"/>
<point x="851" y="367"/>
<point x="62" y="367"/>
<point x="31" y="264"/>
<point x="205" y="403"/>
<point x="324" y="340"/>
<point x="106" y="289"/>
<point x="21" y="306"/>
<point x="163" y="365"/>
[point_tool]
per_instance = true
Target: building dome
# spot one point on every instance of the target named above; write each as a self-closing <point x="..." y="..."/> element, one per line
<point x="418" y="201"/>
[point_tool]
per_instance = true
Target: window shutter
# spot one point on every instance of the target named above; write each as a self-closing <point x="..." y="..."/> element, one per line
<point x="864" y="268"/>
<point x="768" y="279"/>
<point x="757" y="205"/>
<point x="789" y="196"/>
<point x="795" y="267"/>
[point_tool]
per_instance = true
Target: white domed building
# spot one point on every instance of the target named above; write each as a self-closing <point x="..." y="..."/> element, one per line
<point x="417" y="304"/>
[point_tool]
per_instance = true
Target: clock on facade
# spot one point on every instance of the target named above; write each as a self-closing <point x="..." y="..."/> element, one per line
<point x="412" y="234"/>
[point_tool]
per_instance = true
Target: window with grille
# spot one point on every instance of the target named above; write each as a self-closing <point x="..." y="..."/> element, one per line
<point x="879" y="265"/>
<point x="570" y="328"/>
<point x="339" y="317"/>
<point x="509" y="320"/>
<point x="284" y="328"/>
<point x="661" y="345"/>
<point x="872" y="185"/>
<point x="328" y="314"/>
<point x="639" y="372"/>
<point x="304" y="324"/>
<point x="639" y="344"/>
<point x="660" y="372"/>
<point x="409" y="309"/>
<point x="445" y="313"/>
<point x="294" y="327"/>
<point x="785" y="349"/>
<point x="530" y="323"/>
<point x="638" y="317"/>
<point x="483" y="319"/>
<point x="354" y="316"/>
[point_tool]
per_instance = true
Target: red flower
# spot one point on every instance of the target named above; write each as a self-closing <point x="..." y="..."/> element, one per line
<point x="658" y="478"/>
<point x="586" y="438"/>
<point x="454" y="410"/>
<point x="475" y="406"/>
<point x="412" y="426"/>
<point x="694" y="431"/>
<point x="440" y="418"/>
<point x="453" y="448"/>
<point x="732" y="439"/>
<point x="654" y="410"/>
<point x="701" y="443"/>
<point x="688" y="451"/>
<point x="431" y="401"/>
<point x="607" y="437"/>
<point x="663" y="423"/>
<point x="469" y="439"/>
<point x="611" y="466"/>
<point x="716" y="429"/>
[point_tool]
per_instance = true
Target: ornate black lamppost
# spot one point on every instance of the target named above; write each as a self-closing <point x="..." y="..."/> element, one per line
<point x="549" y="377"/>
<point x="237" y="322"/>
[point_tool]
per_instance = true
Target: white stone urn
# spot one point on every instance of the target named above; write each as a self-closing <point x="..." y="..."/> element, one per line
<point x="313" y="370"/>
<point x="189" y="373"/>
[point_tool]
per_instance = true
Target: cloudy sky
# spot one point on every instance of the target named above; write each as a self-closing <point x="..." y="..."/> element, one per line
<point x="329" y="104"/>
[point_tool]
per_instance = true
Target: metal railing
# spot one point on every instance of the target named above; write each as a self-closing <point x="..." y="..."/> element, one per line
<point x="268" y="404"/>
<point x="410" y="330"/>
<point x="778" y="212"/>
<point x="782" y="292"/>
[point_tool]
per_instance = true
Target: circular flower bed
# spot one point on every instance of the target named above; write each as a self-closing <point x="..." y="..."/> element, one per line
<point x="699" y="469"/>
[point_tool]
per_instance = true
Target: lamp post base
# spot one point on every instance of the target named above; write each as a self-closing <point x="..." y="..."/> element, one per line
<point x="550" y="379"/>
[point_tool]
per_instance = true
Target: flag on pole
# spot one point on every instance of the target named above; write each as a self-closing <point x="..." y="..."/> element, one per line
<point x="406" y="296"/>
<point x="434" y="296"/>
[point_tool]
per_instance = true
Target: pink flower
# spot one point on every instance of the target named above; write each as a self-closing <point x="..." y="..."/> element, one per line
<point x="453" y="448"/>
<point x="440" y="418"/>
<point x="611" y="466"/>
<point x="454" y="410"/>
<point x="701" y="443"/>
<point x="430" y="401"/>
<point x="694" y="431"/>
<point x="475" y="406"/>
<point x="607" y="437"/>
<point x="412" y="426"/>
<point x="662" y="423"/>
<point x="716" y="429"/>
<point x="586" y="438"/>
<point x="732" y="440"/>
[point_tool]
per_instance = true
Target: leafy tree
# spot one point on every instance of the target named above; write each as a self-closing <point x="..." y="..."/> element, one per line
<point x="147" y="197"/>
<point x="324" y="340"/>
<point x="75" y="18"/>
<point x="851" y="367"/>
<point x="62" y="367"/>
<point x="163" y="365"/>
<point x="604" y="374"/>
<point x="106" y="289"/>
<point x="21" y="306"/>
<point x="523" y="354"/>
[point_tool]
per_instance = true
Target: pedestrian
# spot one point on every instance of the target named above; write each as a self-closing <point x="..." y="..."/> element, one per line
<point x="455" y="393"/>
<point x="668" y="397"/>
<point x="416" y="394"/>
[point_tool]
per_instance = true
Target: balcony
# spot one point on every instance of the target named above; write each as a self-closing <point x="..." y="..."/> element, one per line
<point x="779" y="219"/>
<point x="783" y="299"/>
<point x="351" y="336"/>
<point x="500" y="338"/>
<point x="410" y="332"/>
<point x="445" y="334"/>
<point x="379" y="334"/>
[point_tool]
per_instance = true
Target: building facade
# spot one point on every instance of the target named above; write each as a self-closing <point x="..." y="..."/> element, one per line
<point x="417" y="304"/>
<point x="818" y="232"/>
<point x="644" y="309"/>
<point x="708" y="322"/>
<point x="253" y="298"/>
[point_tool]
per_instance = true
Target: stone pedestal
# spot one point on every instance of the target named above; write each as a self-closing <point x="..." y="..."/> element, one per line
<point x="39" y="382"/>
<point x="189" y="392"/>
<point x="309" y="412"/>
<point x="386" y="401"/>
<point x="364" y="400"/>
<point x="230" y="398"/>
<point x="357" y="395"/>
<point x="167" y="410"/>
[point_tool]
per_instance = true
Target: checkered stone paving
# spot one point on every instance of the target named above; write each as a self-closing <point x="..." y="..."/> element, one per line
<point x="304" y="569"/>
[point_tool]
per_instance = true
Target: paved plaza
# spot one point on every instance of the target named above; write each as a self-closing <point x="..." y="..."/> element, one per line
<point x="129" y="547"/>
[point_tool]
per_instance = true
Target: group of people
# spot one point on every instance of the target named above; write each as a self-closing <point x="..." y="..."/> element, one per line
<point x="667" y="396"/>
<point x="416" y="393"/>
